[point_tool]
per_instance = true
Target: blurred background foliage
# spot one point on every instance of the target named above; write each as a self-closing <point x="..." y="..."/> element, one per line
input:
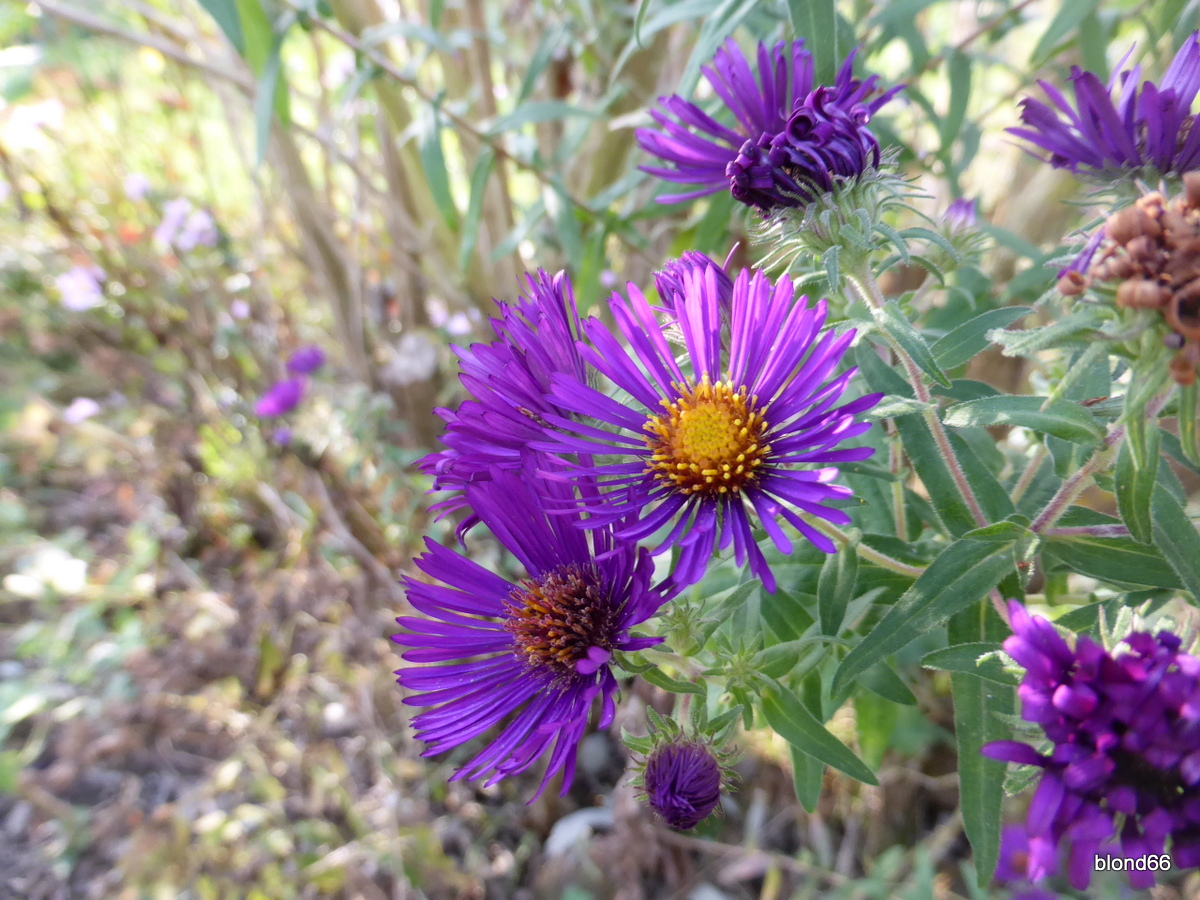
<point x="196" y="690"/>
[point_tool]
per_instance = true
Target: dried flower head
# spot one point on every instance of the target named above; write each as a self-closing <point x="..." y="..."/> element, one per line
<point x="1150" y="252"/>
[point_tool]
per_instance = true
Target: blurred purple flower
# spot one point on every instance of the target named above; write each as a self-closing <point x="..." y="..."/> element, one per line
<point x="1103" y="138"/>
<point x="671" y="279"/>
<point x="960" y="214"/>
<point x="1126" y="733"/>
<point x="175" y="213"/>
<point x="198" y="231"/>
<point x="682" y="781"/>
<point x="239" y="309"/>
<point x="794" y="140"/>
<point x="281" y="436"/>
<point x="80" y="408"/>
<point x="537" y="652"/>
<point x="281" y="398"/>
<point x="306" y="360"/>
<point x="137" y="186"/>
<point x="79" y="287"/>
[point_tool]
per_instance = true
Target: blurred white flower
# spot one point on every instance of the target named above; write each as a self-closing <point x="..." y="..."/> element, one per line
<point x="414" y="359"/>
<point x="81" y="408"/>
<point x="49" y="567"/>
<point x="80" y="287"/>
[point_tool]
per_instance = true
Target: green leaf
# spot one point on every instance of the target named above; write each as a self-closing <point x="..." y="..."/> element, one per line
<point x="1066" y="20"/>
<point x="470" y="225"/>
<point x="1120" y="560"/>
<point x="875" y="720"/>
<point x="893" y="406"/>
<point x="958" y="71"/>
<point x="792" y="721"/>
<point x="977" y="704"/>
<point x="839" y="575"/>
<point x="266" y="100"/>
<point x="817" y="22"/>
<point x="225" y="13"/>
<point x="893" y="321"/>
<point x="969" y="338"/>
<point x="659" y="678"/>
<point x="1135" y="486"/>
<point x="433" y="161"/>
<point x="1189" y="431"/>
<point x="808" y="773"/>
<point x="534" y="112"/>
<point x="1060" y="418"/>
<point x="377" y="35"/>
<point x="881" y="680"/>
<point x="544" y="53"/>
<point x="961" y="574"/>
<point x="964" y="659"/>
<point x="785" y="615"/>
<point x="1175" y="534"/>
<point x="1066" y="330"/>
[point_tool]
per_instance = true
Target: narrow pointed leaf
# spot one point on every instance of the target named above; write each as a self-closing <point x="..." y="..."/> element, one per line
<point x="971" y="337"/>
<point x="792" y="721"/>
<point x="893" y="321"/>
<point x="1135" y="486"/>
<point x="1175" y="534"/>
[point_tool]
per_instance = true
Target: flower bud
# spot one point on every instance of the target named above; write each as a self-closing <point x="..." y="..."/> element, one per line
<point x="682" y="781"/>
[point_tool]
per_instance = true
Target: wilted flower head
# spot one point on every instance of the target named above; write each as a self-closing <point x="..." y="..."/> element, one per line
<point x="682" y="781"/>
<point x="751" y="431"/>
<point x="539" y="650"/>
<point x="1125" y="729"/>
<point x="306" y="360"/>
<point x="281" y="398"/>
<point x="80" y="288"/>
<point x="1119" y="129"/>
<point x="509" y="383"/>
<point x="1149" y="254"/>
<point x="794" y="139"/>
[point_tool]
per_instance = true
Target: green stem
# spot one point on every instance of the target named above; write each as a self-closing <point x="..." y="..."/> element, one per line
<point x="864" y="281"/>
<point x="868" y="553"/>
<point x="1031" y="470"/>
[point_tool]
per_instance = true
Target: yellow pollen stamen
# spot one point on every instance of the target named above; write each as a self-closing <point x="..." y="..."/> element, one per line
<point x="710" y="439"/>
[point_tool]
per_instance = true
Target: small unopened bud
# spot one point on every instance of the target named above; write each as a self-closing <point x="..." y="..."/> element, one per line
<point x="1142" y="294"/>
<point x="1072" y="283"/>
<point x="683" y="783"/>
<point x="1172" y="340"/>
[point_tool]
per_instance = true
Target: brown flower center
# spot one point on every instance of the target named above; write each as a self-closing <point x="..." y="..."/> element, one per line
<point x="557" y="619"/>
<point x="709" y="439"/>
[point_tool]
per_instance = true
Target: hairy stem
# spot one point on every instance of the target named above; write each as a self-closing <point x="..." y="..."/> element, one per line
<point x="1075" y="485"/>
<point x="866" y="285"/>
<point x="1031" y="470"/>
<point x="869" y="554"/>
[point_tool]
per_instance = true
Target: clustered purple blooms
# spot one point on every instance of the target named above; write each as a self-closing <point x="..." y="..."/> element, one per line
<point x="1126" y="733"/>
<point x="539" y="649"/>
<point x="776" y="383"/>
<point x="795" y="140"/>
<point x="184" y="228"/>
<point x="1117" y="129"/>
<point x="682" y="782"/>
<point x="509" y="384"/>
<point x="1012" y="866"/>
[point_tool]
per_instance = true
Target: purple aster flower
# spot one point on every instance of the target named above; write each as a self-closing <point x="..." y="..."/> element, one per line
<point x="682" y="781"/>
<point x="281" y="398"/>
<point x="306" y="360"/>
<point x="199" y="230"/>
<point x="670" y="280"/>
<point x="741" y="432"/>
<point x="175" y="213"/>
<point x="136" y="186"/>
<point x="1119" y="129"/>
<point x="509" y="384"/>
<point x="1125" y="728"/>
<point x="79" y="287"/>
<point x="794" y="139"/>
<point x="281" y="436"/>
<point x="1013" y="865"/>
<point x="535" y="653"/>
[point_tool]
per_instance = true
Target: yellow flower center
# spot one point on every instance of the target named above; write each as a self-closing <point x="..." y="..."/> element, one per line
<point x="708" y="440"/>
